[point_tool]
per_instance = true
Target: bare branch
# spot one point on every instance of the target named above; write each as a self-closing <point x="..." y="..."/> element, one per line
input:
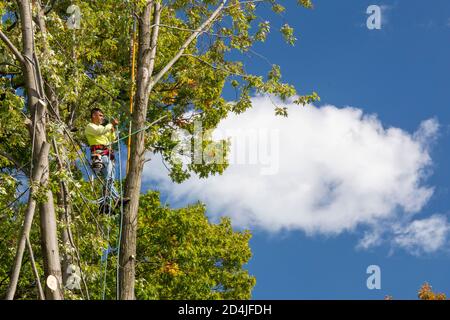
<point x="193" y="36"/>
<point x="36" y="273"/>
<point x="11" y="47"/>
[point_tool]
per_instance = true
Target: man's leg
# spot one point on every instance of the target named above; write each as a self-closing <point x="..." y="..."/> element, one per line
<point x="109" y="175"/>
<point x="110" y="194"/>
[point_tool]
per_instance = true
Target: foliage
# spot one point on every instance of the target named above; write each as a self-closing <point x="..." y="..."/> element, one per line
<point x="186" y="257"/>
<point x="181" y="255"/>
<point x="10" y="223"/>
<point x="425" y="293"/>
<point x="90" y="67"/>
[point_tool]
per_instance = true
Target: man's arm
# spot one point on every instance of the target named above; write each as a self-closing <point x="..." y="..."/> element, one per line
<point x="112" y="137"/>
<point x="95" y="130"/>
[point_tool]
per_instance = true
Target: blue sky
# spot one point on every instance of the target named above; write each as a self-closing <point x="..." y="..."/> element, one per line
<point x="401" y="74"/>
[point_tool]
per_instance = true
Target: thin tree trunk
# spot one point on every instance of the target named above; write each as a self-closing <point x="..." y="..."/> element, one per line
<point x="62" y="200"/>
<point x="28" y="220"/>
<point x="36" y="274"/>
<point x="38" y="109"/>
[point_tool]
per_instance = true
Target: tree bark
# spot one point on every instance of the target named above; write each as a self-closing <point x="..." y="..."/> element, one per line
<point x="137" y="151"/>
<point x="38" y="109"/>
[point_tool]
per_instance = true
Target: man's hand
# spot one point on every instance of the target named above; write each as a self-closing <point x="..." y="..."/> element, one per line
<point x="115" y="122"/>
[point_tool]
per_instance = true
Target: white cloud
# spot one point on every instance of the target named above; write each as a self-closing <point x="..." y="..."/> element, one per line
<point x="337" y="168"/>
<point x="427" y="132"/>
<point x="426" y="235"/>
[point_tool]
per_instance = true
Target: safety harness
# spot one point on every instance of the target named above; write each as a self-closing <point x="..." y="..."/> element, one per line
<point x="97" y="151"/>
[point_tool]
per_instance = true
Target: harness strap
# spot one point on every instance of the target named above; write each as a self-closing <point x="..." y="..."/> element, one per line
<point x="101" y="150"/>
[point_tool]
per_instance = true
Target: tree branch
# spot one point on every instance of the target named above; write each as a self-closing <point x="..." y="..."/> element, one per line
<point x="13" y="25"/>
<point x="9" y="65"/>
<point x="39" y="20"/>
<point x="36" y="273"/>
<point x="49" y="7"/>
<point x="154" y="40"/>
<point x="244" y="2"/>
<point x="11" y="47"/>
<point x="193" y="36"/>
<point x="187" y="29"/>
<point x="9" y="73"/>
<point x="213" y="66"/>
<point x="12" y="202"/>
<point x="16" y="162"/>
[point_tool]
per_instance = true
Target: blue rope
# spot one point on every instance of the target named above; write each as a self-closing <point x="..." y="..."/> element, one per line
<point x="108" y="196"/>
<point x="119" y="238"/>
<point x="106" y="251"/>
<point x="105" y="258"/>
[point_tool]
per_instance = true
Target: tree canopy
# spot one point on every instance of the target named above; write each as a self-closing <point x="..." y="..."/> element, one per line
<point x="181" y="255"/>
<point x="186" y="54"/>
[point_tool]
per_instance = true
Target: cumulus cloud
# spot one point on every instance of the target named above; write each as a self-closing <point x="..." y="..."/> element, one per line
<point x="426" y="235"/>
<point x="321" y="170"/>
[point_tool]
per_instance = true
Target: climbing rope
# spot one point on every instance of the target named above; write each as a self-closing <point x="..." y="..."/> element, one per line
<point x="119" y="238"/>
<point x="108" y="196"/>
<point x="105" y="258"/>
<point x="133" y="61"/>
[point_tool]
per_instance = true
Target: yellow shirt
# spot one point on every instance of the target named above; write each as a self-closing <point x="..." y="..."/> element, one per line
<point x="98" y="134"/>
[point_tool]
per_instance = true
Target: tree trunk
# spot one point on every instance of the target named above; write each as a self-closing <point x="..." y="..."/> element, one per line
<point x="147" y="50"/>
<point x="65" y="215"/>
<point x="145" y="81"/>
<point x="28" y="220"/>
<point x="38" y="109"/>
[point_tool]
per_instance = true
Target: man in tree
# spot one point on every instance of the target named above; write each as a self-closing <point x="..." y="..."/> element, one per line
<point x="183" y="65"/>
<point x="100" y="137"/>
